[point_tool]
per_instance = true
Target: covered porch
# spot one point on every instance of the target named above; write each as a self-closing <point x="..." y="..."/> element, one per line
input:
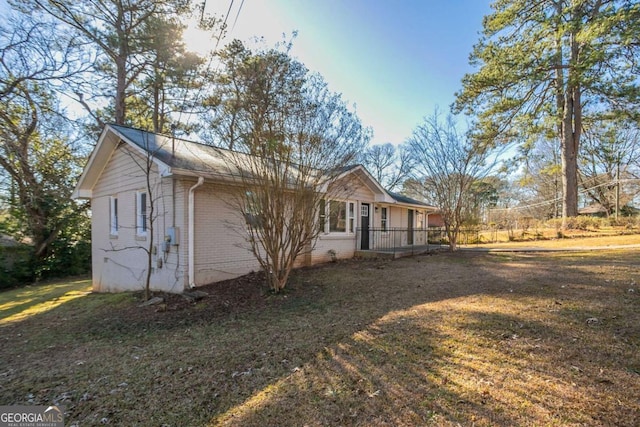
<point x="396" y="242"/>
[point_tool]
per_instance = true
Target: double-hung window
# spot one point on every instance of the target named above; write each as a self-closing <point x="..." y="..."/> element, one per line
<point x="337" y="216"/>
<point x="253" y="212"/>
<point x="383" y="219"/>
<point x="113" y="215"/>
<point x="420" y="221"/>
<point x="141" y="213"/>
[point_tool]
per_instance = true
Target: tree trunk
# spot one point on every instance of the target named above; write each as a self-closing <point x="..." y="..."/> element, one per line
<point x="569" y="171"/>
<point x="121" y="69"/>
<point x="571" y="129"/>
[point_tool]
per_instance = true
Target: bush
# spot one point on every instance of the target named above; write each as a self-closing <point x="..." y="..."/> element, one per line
<point x="66" y="259"/>
<point x="16" y="266"/>
<point x="576" y="223"/>
<point x="627" y="222"/>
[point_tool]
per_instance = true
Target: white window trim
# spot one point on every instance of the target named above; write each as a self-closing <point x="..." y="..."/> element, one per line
<point x="113" y="216"/>
<point x="385" y="228"/>
<point x="421" y="215"/>
<point x="327" y="218"/>
<point x="140" y="222"/>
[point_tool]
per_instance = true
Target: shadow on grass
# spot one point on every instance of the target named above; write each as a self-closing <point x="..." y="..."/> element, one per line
<point x="21" y="303"/>
<point x="455" y="338"/>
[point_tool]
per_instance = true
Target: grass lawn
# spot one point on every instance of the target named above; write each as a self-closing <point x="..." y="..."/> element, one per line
<point x="596" y="240"/>
<point x="537" y="235"/>
<point x="482" y="339"/>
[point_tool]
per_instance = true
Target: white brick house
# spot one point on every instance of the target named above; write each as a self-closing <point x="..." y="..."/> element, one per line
<point x="193" y="244"/>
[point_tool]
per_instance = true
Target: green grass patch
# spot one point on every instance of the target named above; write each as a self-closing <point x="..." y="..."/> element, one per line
<point x="23" y="302"/>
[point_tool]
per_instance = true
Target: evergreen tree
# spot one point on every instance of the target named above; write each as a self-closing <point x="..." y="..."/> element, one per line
<point x="542" y="66"/>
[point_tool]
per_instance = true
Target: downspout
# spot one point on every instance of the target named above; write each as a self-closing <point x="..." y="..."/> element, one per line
<point x="191" y="232"/>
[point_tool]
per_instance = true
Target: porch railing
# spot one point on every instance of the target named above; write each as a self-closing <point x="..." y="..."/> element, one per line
<point x="406" y="239"/>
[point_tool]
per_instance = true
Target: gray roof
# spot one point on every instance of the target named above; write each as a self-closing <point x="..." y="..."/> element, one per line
<point x="192" y="158"/>
<point x="177" y="152"/>
<point x="404" y="199"/>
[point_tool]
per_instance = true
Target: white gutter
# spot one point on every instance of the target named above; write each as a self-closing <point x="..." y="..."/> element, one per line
<point x="191" y="256"/>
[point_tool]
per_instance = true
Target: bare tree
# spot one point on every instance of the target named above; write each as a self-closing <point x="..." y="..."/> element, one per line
<point x="147" y="211"/>
<point x="447" y="166"/>
<point x="391" y="165"/>
<point x="610" y="156"/>
<point x="295" y="139"/>
<point x="540" y="183"/>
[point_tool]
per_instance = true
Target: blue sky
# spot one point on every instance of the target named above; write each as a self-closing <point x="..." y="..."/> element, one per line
<point x="395" y="60"/>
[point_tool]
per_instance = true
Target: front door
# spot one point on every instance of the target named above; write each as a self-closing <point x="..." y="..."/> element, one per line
<point x="364" y="226"/>
<point x="410" y="227"/>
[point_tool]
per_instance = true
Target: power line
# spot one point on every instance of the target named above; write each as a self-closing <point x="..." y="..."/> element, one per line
<point x="237" y="15"/>
<point x="558" y="199"/>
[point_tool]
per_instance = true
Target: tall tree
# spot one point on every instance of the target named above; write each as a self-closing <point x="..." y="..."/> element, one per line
<point x="38" y="160"/>
<point x="293" y="137"/>
<point x="169" y="74"/>
<point x="543" y="65"/>
<point x="116" y="31"/>
<point x="448" y="166"/>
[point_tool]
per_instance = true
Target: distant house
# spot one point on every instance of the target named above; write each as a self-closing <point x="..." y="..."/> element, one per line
<point x="193" y="243"/>
<point x="436" y="220"/>
<point x="595" y="209"/>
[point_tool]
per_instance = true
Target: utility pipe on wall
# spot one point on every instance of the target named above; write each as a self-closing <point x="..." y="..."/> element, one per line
<point x="191" y="232"/>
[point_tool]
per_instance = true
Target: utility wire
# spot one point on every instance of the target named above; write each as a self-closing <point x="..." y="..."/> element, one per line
<point x="237" y="15"/>
<point x="558" y="199"/>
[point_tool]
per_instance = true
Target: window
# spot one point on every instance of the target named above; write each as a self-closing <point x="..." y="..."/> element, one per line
<point x="141" y="213"/>
<point x="113" y="216"/>
<point x="322" y="217"/>
<point x="383" y="219"/>
<point x="337" y="216"/>
<point x="253" y="211"/>
<point x="352" y="217"/>
<point x="420" y="220"/>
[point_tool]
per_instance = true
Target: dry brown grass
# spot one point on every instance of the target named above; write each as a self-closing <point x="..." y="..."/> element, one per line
<point x="571" y="241"/>
<point x="450" y="339"/>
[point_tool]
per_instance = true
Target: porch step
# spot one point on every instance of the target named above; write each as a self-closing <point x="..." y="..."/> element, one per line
<point x="374" y="254"/>
<point x="398" y="253"/>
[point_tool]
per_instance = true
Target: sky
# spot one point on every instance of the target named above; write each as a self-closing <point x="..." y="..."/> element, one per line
<point x="395" y="60"/>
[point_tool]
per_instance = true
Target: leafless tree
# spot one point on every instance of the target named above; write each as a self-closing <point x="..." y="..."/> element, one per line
<point x="293" y="138"/>
<point x="148" y="212"/>
<point x="391" y="165"/>
<point x="38" y="158"/>
<point x="447" y="166"/>
<point x="608" y="167"/>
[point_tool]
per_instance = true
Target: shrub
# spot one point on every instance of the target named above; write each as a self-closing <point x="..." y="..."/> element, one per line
<point x="627" y="222"/>
<point x="16" y="266"/>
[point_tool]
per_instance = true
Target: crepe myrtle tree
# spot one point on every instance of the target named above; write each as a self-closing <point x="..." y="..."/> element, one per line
<point x="292" y="138"/>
